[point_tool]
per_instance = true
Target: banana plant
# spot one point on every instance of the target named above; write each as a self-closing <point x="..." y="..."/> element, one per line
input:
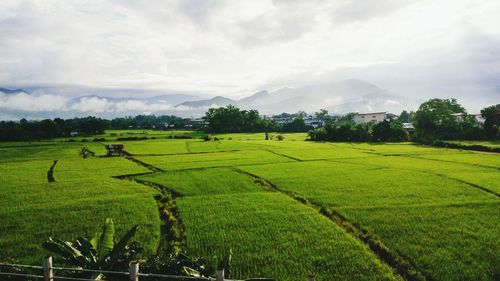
<point x="100" y="252"/>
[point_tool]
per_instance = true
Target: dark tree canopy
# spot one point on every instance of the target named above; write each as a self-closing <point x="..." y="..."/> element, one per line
<point x="491" y="115"/>
<point x="434" y="119"/>
<point x="406" y="117"/>
<point x="87" y="126"/>
<point x="231" y="119"/>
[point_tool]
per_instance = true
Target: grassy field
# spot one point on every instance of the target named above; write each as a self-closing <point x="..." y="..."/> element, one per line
<point x="84" y="194"/>
<point x="437" y="208"/>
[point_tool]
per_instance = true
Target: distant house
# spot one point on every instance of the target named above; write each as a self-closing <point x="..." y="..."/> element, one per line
<point x="408" y="126"/>
<point x="196" y="123"/>
<point x="375" y="117"/>
<point x="313" y="121"/>
<point x="477" y="117"/>
<point x="283" y="118"/>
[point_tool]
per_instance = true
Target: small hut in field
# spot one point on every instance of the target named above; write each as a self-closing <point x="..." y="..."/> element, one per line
<point x="115" y="149"/>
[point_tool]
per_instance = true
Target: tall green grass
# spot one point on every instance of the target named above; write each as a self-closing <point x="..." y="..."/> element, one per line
<point x="272" y="235"/>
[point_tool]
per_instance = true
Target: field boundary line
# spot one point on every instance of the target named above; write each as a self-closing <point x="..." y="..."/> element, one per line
<point x="448" y="161"/>
<point x="121" y="177"/>
<point x="476" y="186"/>
<point x="284" y="155"/>
<point x="400" y="265"/>
<point x="482" y="188"/>
<point x="150" y="167"/>
<point x="224" y="166"/>
<point x="183" y="153"/>
<point x="171" y="229"/>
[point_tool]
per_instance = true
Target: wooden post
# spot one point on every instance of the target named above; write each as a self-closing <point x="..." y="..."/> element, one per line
<point x="311" y="278"/>
<point x="134" y="271"/>
<point x="48" y="271"/>
<point x="220" y="275"/>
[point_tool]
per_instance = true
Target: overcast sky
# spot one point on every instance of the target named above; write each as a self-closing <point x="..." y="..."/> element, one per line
<point x="234" y="48"/>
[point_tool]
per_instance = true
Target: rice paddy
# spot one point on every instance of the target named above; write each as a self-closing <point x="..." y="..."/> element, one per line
<point x="438" y="209"/>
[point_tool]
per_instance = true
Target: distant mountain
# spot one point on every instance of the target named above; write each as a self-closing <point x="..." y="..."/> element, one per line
<point x="173" y="98"/>
<point x="350" y="95"/>
<point x="338" y="97"/>
<point x="66" y="101"/>
<point x="216" y="101"/>
<point x="13" y="91"/>
<point x="256" y="99"/>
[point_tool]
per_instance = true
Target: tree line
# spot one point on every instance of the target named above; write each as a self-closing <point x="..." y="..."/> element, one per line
<point x="230" y="119"/>
<point x="87" y="126"/>
<point x="435" y="119"/>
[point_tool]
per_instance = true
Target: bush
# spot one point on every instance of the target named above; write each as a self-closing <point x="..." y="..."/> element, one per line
<point x="280" y="137"/>
<point x="476" y="147"/>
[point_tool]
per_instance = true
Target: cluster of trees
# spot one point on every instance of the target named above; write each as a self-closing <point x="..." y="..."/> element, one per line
<point x="350" y="132"/>
<point x="148" y="122"/>
<point x="231" y="119"/>
<point x="491" y="115"/>
<point x="446" y="119"/>
<point x="436" y="119"/>
<point x="52" y="128"/>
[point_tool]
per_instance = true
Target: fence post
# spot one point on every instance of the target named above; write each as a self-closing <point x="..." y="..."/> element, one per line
<point x="48" y="271"/>
<point x="311" y="278"/>
<point x="134" y="271"/>
<point x="220" y="275"/>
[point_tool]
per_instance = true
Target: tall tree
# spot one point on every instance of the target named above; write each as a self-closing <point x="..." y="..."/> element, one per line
<point x="434" y="119"/>
<point x="405" y="117"/>
<point x="491" y="115"/>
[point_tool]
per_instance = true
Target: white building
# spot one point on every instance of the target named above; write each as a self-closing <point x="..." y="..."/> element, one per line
<point x="282" y="119"/>
<point x="376" y="117"/>
<point x="313" y="121"/>
<point x="408" y="126"/>
<point x="477" y="117"/>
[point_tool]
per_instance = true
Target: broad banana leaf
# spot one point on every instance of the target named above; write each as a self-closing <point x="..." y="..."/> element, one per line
<point x="63" y="248"/>
<point x="103" y="242"/>
<point x="87" y="249"/>
<point x="191" y="272"/>
<point x="120" y="247"/>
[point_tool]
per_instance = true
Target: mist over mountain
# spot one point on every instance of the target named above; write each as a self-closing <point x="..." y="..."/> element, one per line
<point x="338" y="97"/>
<point x="215" y="101"/>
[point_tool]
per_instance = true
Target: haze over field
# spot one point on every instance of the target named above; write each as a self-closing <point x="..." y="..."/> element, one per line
<point x="115" y="58"/>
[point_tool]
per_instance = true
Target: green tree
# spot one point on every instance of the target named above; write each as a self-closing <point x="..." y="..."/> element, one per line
<point x="388" y="131"/>
<point x="297" y="125"/>
<point x="406" y="117"/>
<point x="323" y="116"/>
<point x="231" y="119"/>
<point x="434" y="119"/>
<point x="491" y="115"/>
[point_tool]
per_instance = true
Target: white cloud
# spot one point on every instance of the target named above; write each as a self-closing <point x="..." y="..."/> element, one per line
<point x="25" y="102"/>
<point x="88" y="105"/>
<point x="233" y="48"/>
<point x="92" y="104"/>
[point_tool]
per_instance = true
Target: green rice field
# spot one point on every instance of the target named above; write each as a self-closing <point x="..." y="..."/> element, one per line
<point x="436" y="209"/>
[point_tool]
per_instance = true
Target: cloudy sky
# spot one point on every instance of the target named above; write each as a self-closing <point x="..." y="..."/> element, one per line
<point x="413" y="48"/>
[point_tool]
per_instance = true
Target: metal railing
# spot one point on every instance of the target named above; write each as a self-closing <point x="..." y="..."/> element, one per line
<point x="48" y="273"/>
